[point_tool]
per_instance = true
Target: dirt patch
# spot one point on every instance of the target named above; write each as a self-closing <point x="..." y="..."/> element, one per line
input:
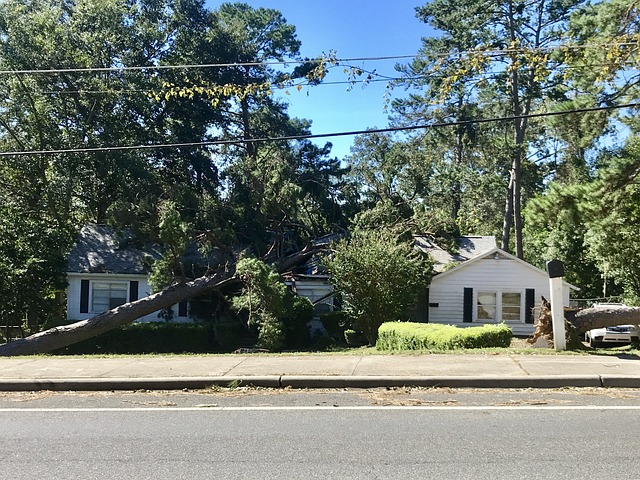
<point x="519" y="343"/>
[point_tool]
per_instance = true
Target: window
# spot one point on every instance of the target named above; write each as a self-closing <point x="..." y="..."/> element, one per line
<point x="511" y="307"/>
<point x="487" y="306"/>
<point x="499" y="307"/>
<point x="107" y="295"/>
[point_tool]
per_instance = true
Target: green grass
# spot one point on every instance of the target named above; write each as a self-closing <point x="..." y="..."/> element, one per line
<point x="518" y="347"/>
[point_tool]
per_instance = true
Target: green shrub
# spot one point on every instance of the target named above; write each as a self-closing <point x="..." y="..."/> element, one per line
<point x="271" y="335"/>
<point x="355" y="339"/>
<point x="153" y="337"/>
<point x="228" y="334"/>
<point x="335" y="323"/>
<point x="278" y="316"/>
<point x="380" y="275"/>
<point x="430" y="336"/>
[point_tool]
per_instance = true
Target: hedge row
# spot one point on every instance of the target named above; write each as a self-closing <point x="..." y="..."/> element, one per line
<point x="430" y="336"/>
<point x="150" y="338"/>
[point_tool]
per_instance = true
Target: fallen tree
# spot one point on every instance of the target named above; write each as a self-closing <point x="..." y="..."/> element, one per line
<point x="578" y="322"/>
<point x="62" y="336"/>
<point x="65" y="335"/>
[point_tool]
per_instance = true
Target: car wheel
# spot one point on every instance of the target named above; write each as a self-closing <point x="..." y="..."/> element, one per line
<point x="594" y="343"/>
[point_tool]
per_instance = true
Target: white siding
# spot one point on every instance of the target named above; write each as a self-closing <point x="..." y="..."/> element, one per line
<point x="315" y="290"/>
<point x="486" y="274"/>
<point x="144" y="290"/>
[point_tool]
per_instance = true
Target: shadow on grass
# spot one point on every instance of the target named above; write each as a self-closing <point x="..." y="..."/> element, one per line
<point x="624" y="352"/>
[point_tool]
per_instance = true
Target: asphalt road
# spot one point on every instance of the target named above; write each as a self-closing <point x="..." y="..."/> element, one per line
<point x="373" y="434"/>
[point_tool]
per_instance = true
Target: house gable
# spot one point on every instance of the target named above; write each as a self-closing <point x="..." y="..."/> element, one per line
<point x="489" y="288"/>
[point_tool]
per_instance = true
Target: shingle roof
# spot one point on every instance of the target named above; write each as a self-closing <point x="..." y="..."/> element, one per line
<point x="101" y="249"/>
<point x="468" y="247"/>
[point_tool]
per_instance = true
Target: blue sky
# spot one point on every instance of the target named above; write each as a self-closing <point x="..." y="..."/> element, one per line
<point x="353" y="28"/>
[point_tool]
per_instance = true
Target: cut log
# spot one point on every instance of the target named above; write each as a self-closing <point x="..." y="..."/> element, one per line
<point x="60" y="337"/>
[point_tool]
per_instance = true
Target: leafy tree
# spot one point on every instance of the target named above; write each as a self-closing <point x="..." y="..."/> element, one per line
<point x="491" y="54"/>
<point x="556" y="229"/>
<point x="592" y="226"/>
<point x="32" y="263"/>
<point x="174" y="235"/>
<point x="276" y="313"/>
<point x="611" y="214"/>
<point x="379" y="277"/>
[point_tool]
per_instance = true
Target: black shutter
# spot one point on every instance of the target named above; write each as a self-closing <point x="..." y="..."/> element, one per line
<point x="133" y="290"/>
<point x="84" y="296"/>
<point x="467" y="313"/>
<point x="529" y="304"/>
<point x="182" y="309"/>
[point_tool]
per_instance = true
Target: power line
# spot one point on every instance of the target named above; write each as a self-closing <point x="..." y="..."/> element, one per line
<point x="200" y="65"/>
<point x="329" y="60"/>
<point x="315" y="136"/>
<point x="378" y="78"/>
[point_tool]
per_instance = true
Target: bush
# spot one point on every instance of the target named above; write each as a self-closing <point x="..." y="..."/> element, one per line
<point x="354" y="339"/>
<point x="430" y="336"/>
<point x="380" y="276"/>
<point x="149" y="338"/>
<point x="335" y="323"/>
<point x="228" y="334"/>
<point x="277" y="315"/>
<point x="271" y="335"/>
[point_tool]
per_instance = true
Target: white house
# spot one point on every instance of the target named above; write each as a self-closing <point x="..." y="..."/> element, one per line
<point x="483" y="284"/>
<point x="106" y="269"/>
<point x="317" y="288"/>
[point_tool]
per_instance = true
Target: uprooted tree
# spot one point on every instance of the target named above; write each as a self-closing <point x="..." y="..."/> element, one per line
<point x="63" y="336"/>
<point x="578" y="322"/>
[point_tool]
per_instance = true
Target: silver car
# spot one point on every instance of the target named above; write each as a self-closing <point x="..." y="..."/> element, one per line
<point x="618" y="335"/>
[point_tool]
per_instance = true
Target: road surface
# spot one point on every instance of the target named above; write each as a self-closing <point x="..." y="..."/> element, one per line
<point x="373" y="434"/>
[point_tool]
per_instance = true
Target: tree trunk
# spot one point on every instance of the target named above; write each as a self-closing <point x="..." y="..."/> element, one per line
<point x="508" y="217"/>
<point x="60" y="337"/>
<point x="603" y="316"/>
<point x="578" y="322"/>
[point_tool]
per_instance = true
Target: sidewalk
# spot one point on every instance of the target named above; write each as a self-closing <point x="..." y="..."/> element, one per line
<point x="317" y="371"/>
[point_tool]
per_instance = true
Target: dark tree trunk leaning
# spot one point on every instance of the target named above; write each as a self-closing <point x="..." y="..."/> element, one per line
<point x="60" y="337"/>
<point x="63" y="336"/>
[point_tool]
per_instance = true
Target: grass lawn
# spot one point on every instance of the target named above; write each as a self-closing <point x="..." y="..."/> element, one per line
<point x="519" y="346"/>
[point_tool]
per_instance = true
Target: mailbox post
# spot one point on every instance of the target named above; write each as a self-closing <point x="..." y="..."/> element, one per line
<point x="555" y="270"/>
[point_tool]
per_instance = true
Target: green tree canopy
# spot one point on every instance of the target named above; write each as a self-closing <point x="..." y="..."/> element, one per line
<point x="380" y="277"/>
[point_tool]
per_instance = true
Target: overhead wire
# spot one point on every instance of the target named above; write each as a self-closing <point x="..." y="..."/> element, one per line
<point x="315" y="136"/>
<point x="325" y="59"/>
<point x="383" y="78"/>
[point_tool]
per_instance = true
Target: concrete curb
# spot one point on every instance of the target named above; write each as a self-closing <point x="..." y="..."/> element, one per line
<point x="555" y="381"/>
<point x="105" y="384"/>
<point x="621" y="381"/>
<point x="318" y="381"/>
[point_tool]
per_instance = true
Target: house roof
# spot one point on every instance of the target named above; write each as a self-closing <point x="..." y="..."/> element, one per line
<point x="468" y="247"/>
<point x="102" y="249"/>
<point x="497" y="253"/>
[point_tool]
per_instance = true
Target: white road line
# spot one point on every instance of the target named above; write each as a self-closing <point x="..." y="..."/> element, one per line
<point x="325" y="408"/>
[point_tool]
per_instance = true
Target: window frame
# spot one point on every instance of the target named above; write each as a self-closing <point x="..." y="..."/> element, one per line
<point x="92" y="284"/>
<point x="498" y="305"/>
